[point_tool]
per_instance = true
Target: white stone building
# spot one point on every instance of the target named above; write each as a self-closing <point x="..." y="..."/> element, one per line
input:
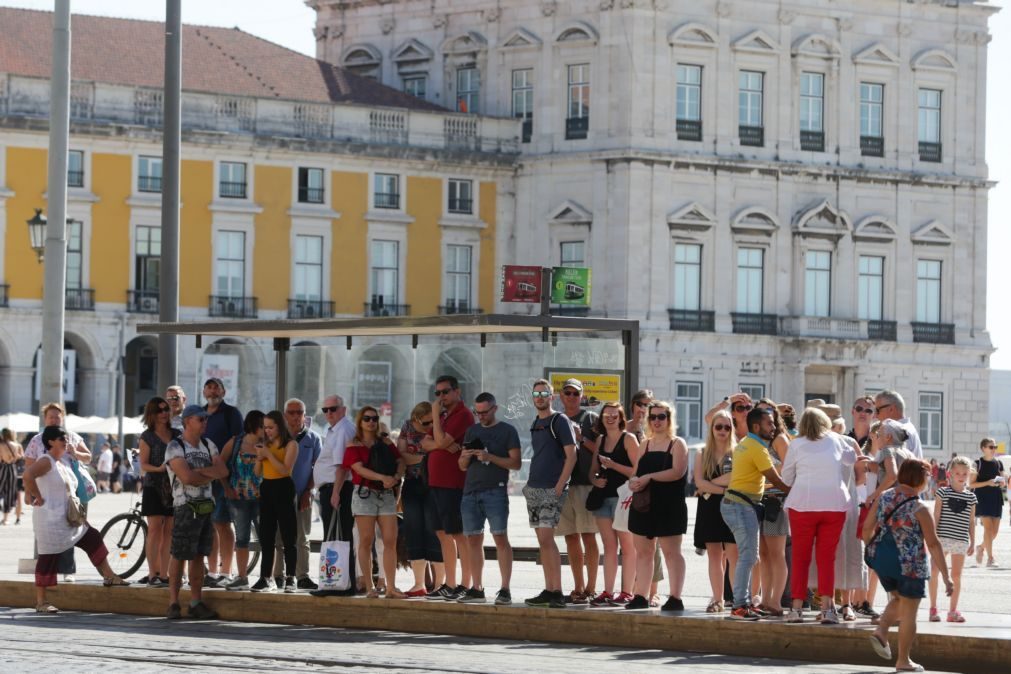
<point x="790" y="196"/>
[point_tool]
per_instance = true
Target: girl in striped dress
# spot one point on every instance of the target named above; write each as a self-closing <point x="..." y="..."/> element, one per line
<point x="954" y="512"/>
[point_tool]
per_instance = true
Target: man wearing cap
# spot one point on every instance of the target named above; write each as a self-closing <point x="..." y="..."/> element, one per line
<point x="224" y="422"/>
<point x="193" y="465"/>
<point x="577" y="525"/>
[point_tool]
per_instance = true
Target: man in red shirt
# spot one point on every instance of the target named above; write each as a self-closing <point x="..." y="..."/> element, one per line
<point x="450" y="421"/>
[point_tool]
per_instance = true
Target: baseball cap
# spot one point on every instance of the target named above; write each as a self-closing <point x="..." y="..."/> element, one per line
<point x="573" y="383"/>
<point x="194" y="411"/>
<point x="215" y="380"/>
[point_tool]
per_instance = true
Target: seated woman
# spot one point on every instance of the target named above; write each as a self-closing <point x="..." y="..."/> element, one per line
<point x="48" y="486"/>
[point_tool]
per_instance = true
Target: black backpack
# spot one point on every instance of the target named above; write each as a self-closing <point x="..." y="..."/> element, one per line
<point x="381" y="459"/>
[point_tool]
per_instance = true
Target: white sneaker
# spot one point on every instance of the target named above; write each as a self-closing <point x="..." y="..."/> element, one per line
<point x="829" y="617"/>
<point x="795" y="615"/>
<point x="69" y="578"/>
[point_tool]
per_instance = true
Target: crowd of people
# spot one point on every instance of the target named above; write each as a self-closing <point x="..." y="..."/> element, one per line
<point x="848" y="498"/>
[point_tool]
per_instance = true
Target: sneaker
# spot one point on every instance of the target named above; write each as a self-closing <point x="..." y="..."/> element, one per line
<point x="439" y="593"/>
<point x="238" y="584"/>
<point x="761" y="613"/>
<point x="866" y="610"/>
<point x="174" y="612"/>
<point x="307" y="584"/>
<point x="829" y="617"/>
<point x="144" y="580"/>
<point x="289" y="585"/>
<point x="934" y="616"/>
<point x="700" y="551"/>
<point x="795" y="615"/>
<point x="576" y="597"/>
<point x="743" y="613"/>
<point x="621" y="599"/>
<point x="673" y="604"/>
<point x="264" y="585"/>
<point x="637" y="602"/>
<point x="202" y="612"/>
<point x="455" y="595"/>
<point x="847" y="613"/>
<point x="472" y="596"/>
<point x="557" y="599"/>
<point x="603" y="599"/>
<point x="153" y="582"/>
<point x="955" y="617"/>
<point x="211" y="581"/>
<point x="69" y="578"/>
<point x="279" y="582"/>
<point x="504" y="597"/>
<point x="543" y="600"/>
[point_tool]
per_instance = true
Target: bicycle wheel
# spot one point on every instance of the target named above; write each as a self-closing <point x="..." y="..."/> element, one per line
<point x="254" y="549"/>
<point x="125" y="536"/>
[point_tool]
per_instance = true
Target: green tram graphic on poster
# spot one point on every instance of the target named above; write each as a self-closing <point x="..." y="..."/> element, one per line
<point x="570" y="285"/>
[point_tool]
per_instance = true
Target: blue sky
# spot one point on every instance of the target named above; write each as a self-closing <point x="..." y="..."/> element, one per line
<point x="290" y="22"/>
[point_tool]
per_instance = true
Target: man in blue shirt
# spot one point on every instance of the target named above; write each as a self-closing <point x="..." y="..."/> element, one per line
<point x="224" y="422"/>
<point x="309" y="447"/>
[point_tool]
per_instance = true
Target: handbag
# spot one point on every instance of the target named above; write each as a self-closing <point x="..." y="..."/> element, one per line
<point x="75" y="510"/>
<point x="621" y="510"/>
<point x="759" y="507"/>
<point x="595" y="499"/>
<point x="86" y="488"/>
<point x="164" y="489"/>
<point x="641" y="500"/>
<point x="885" y="559"/>
<point x="772" y="507"/>
<point x="334" y="561"/>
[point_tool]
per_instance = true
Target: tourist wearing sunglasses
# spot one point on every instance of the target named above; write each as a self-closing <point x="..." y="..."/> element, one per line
<point x="712" y="475"/>
<point x="988" y="481"/>
<point x="738" y="405"/>
<point x="156" y="496"/>
<point x="422" y="545"/>
<point x="659" y="513"/>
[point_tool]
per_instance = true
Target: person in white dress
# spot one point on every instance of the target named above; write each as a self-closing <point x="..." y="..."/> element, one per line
<point x="48" y="484"/>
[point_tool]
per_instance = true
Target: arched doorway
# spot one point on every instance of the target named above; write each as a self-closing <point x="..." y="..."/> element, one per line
<point x="383" y="376"/>
<point x="79" y="390"/>
<point x="247" y="373"/>
<point x="457" y="362"/>
<point x="305" y="380"/>
<point x="140" y="370"/>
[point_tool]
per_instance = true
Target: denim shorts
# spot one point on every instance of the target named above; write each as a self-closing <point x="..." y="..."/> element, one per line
<point x="366" y="502"/>
<point x="485" y="504"/>
<point x="910" y="588"/>
<point x="243" y="513"/>
<point x="221" y="514"/>
<point x="606" y="511"/>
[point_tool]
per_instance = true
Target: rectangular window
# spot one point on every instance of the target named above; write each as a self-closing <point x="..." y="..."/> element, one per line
<point x="147" y="259"/>
<point x="931" y="418"/>
<point x="573" y="254"/>
<point x="415" y="86"/>
<point x="310" y="185"/>
<point x="687" y="276"/>
<point x="230" y="264"/>
<point x="579" y="91"/>
<point x="817" y="283"/>
<point x="385" y="272"/>
<point x="871" y="108"/>
<point x="870" y="288"/>
<point x="461" y="196"/>
<point x="75" y="168"/>
<point x="812" y="101"/>
<point x="928" y="291"/>
<point x="468" y="88"/>
<point x="688" y="407"/>
<point x="754" y="391"/>
<point x="750" y="273"/>
<point x="149" y="174"/>
<point x="749" y="99"/>
<point x="523" y="100"/>
<point x="75" y="254"/>
<point x="232" y="180"/>
<point x="689" y="92"/>
<point x="929" y="125"/>
<point x="458" y="278"/>
<point x="308" y="281"/>
<point x="387" y="190"/>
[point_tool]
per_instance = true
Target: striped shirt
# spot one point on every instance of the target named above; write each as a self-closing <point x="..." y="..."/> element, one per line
<point x="955" y="507"/>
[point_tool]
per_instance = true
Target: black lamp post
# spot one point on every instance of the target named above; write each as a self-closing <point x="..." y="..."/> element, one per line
<point x="37" y="233"/>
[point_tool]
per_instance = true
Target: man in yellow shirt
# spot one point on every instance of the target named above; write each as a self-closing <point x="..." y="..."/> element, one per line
<point x="752" y="467"/>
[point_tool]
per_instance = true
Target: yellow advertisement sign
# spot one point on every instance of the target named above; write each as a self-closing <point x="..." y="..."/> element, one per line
<point x="599" y="386"/>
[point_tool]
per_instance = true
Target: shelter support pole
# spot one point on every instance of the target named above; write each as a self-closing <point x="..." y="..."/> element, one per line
<point x="281" y="347"/>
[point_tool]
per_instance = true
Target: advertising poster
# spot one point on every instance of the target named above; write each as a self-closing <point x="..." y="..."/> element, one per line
<point x="373" y="383"/>
<point x="570" y="285"/>
<point x="599" y="386"/>
<point x="521" y="284"/>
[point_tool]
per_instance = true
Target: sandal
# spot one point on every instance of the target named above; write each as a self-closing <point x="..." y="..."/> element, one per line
<point x="46" y="607"/>
<point x="115" y="581"/>
<point x="882" y="648"/>
<point x="395" y="594"/>
<point x="715" y="606"/>
<point x="935" y="618"/>
<point x="372" y="594"/>
<point x="914" y="667"/>
<point x="955" y="617"/>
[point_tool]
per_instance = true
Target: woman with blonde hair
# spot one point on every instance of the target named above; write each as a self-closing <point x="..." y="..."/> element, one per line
<point x="10" y="454"/>
<point x="156" y="497"/>
<point x="658" y="506"/>
<point x="422" y="545"/>
<point x="712" y="475"/>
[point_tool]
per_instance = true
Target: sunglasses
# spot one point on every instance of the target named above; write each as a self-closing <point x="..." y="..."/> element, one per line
<point x="742" y="408"/>
<point x="426" y="423"/>
<point x="571" y="394"/>
<point x="442" y="391"/>
<point x="163" y="409"/>
<point x="328" y="410"/>
<point x="658" y="417"/>
<point x="174" y="399"/>
<point x="481" y="413"/>
<point x="882" y="407"/>
<point x="990" y="446"/>
<point x="369" y="418"/>
<point x="642" y="403"/>
<point x="721" y="427"/>
<point x="862" y="410"/>
<point x="541" y="394"/>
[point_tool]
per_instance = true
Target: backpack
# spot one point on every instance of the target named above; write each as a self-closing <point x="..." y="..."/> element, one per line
<point x="382" y="459"/>
<point x="554" y="433"/>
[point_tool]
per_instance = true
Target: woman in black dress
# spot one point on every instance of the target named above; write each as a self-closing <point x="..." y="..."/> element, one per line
<point x="660" y="473"/>
<point x="712" y="475"/>
<point x="987" y="484"/>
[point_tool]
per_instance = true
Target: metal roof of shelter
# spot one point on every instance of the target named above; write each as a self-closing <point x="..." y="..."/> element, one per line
<point x="455" y="324"/>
